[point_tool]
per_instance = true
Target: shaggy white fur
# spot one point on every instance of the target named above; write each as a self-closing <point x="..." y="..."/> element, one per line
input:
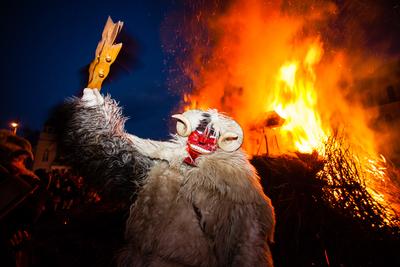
<point x="212" y="214"/>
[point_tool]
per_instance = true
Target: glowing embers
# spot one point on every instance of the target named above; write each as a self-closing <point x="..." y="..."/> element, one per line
<point x="354" y="187"/>
<point x="288" y="90"/>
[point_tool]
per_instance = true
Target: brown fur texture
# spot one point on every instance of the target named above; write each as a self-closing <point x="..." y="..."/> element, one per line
<point x="212" y="214"/>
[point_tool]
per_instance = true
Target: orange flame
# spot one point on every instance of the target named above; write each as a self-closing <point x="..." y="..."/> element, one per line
<point x="296" y="101"/>
<point x="284" y="87"/>
<point x="258" y="68"/>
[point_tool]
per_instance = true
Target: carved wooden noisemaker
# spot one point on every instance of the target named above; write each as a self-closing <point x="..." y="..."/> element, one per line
<point x="106" y="53"/>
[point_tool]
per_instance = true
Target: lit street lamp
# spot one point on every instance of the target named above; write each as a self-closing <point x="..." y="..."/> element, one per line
<point x="14" y="127"/>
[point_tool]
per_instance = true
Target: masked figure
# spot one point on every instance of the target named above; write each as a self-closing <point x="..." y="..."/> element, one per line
<point x="198" y="200"/>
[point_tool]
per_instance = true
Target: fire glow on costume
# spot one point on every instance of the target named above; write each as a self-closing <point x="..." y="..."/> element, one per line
<point x="199" y="202"/>
<point x="210" y="212"/>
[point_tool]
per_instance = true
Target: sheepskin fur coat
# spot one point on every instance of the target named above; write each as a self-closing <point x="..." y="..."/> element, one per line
<point x="199" y="203"/>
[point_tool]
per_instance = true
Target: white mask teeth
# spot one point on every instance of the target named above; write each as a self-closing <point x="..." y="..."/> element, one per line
<point x="200" y="149"/>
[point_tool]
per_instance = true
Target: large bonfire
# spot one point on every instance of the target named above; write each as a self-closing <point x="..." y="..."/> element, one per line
<point x="293" y="89"/>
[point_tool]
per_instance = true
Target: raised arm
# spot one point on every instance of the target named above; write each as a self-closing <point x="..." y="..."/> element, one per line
<point x="96" y="143"/>
<point x="95" y="140"/>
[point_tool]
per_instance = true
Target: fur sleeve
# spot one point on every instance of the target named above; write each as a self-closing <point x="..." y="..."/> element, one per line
<point x="96" y="143"/>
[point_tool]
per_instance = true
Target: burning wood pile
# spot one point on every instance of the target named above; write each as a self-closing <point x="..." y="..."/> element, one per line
<point x="316" y="225"/>
<point x="326" y="214"/>
<point x="336" y="182"/>
<point x="347" y="190"/>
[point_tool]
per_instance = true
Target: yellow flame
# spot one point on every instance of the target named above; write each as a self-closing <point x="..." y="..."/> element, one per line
<point x="288" y="74"/>
<point x="261" y="65"/>
<point x="296" y="102"/>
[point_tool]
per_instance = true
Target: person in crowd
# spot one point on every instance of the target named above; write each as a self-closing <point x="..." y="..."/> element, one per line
<point x="20" y="205"/>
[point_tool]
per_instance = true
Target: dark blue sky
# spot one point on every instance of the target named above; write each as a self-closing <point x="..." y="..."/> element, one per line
<point x="45" y="45"/>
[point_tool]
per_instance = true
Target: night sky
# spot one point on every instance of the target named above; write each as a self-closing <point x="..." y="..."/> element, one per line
<point x="46" y="45"/>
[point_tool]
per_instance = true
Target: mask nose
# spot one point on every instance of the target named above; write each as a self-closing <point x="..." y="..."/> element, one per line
<point x="203" y="138"/>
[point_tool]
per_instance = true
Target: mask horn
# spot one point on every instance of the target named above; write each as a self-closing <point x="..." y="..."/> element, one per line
<point x="230" y="142"/>
<point x="183" y="127"/>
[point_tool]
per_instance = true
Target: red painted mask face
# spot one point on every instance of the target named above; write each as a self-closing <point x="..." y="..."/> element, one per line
<point x="200" y="143"/>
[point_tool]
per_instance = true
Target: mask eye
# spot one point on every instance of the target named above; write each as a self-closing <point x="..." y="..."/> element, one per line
<point x="213" y="133"/>
<point x="210" y="131"/>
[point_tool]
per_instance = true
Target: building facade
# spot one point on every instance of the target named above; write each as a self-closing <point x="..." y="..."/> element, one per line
<point x="46" y="149"/>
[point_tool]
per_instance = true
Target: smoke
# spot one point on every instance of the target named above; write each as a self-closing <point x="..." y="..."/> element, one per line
<point x="225" y="55"/>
